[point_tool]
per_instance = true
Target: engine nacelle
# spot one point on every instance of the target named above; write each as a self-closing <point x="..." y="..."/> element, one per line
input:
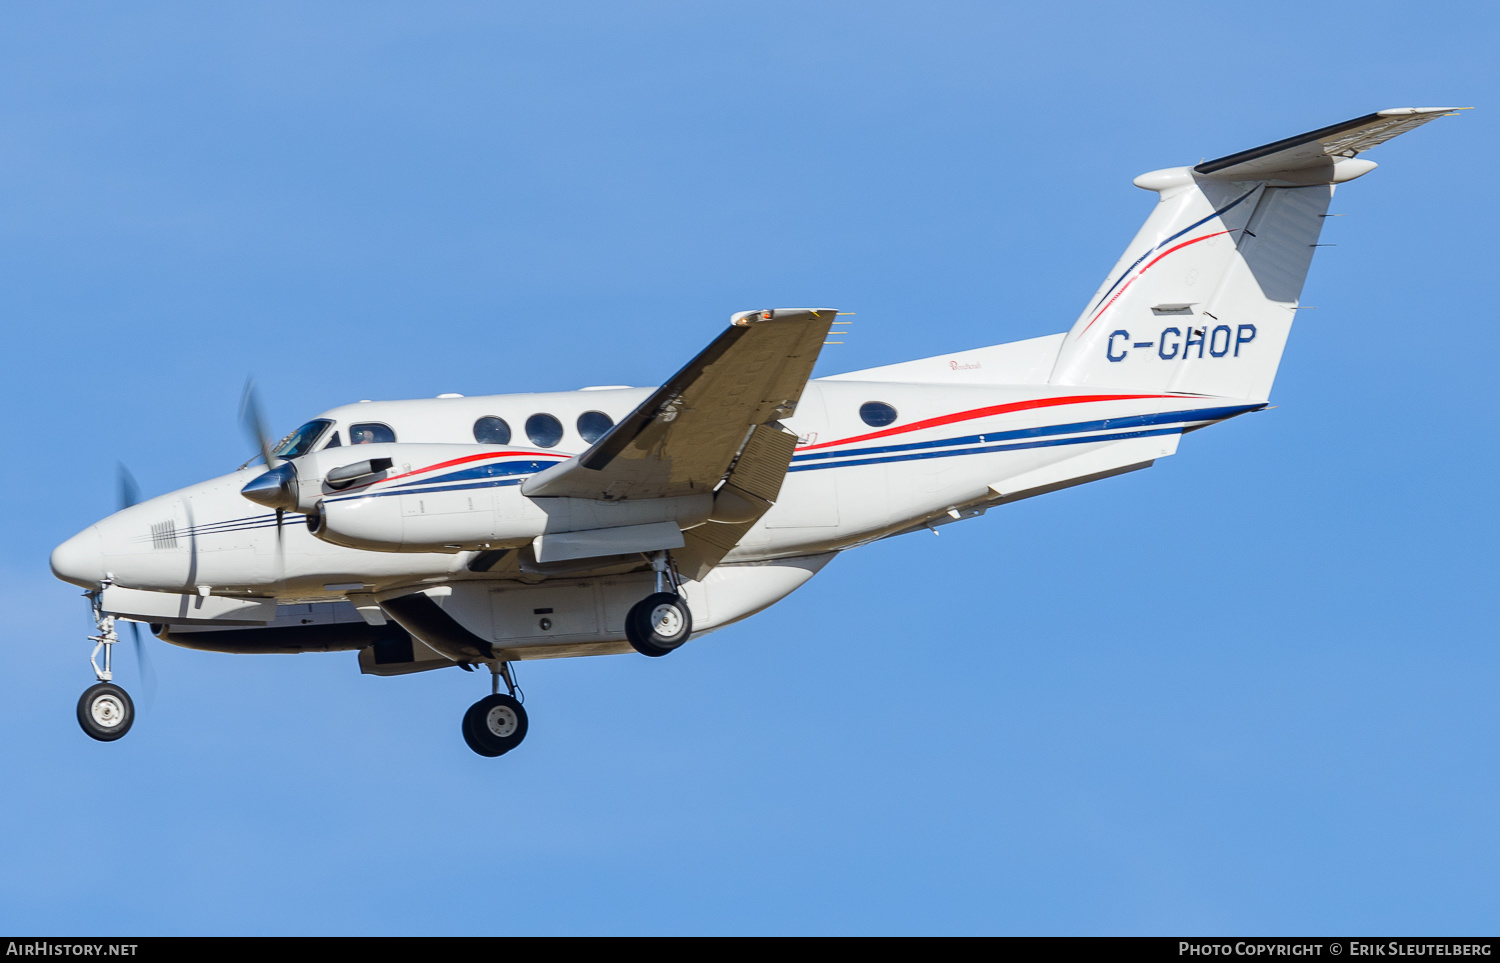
<point x="451" y="498"/>
<point x="352" y="469"/>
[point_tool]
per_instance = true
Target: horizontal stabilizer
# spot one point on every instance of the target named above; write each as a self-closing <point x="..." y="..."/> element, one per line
<point x="1319" y="148"/>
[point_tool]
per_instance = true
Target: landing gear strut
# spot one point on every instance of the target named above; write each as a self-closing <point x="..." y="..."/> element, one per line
<point x="661" y="621"/>
<point x="105" y="711"/>
<point x="496" y="724"/>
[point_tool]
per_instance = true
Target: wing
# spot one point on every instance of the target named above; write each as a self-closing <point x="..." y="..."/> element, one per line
<point x="684" y="439"/>
<point x="1319" y="147"/>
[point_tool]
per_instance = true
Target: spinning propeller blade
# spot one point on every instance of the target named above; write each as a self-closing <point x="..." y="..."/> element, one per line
<point x="278" y="483"/>
<point x="130" y="492"/>
<point x="253" y="418"/>
<point x="143" y="662"/>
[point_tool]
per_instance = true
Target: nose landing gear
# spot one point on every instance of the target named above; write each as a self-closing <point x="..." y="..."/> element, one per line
<point x="105" y="711"/>
<point x="496" y="724"/>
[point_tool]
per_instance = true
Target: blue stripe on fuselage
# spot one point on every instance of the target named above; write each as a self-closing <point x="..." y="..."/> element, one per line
<point x="954" y="452"/>
<point x="1130" y="421"/>
<point x="482" y="471"/>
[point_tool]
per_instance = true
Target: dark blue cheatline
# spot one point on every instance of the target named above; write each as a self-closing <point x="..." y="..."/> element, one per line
<point x="491" y="470"/>
<point x="954" y="452"/>
<point x="1106" y="424"/>
<point x="1089" y="431"/>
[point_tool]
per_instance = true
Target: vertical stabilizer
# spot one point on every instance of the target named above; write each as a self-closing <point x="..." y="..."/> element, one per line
<point x="1203" y="299"/>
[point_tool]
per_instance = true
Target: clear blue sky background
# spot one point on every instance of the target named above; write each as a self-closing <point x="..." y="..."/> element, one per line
<point x="1252" y="690"/>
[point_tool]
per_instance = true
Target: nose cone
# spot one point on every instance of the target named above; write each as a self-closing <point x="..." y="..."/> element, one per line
<point x="80" y="559"/>
<point x="277" y="488"/>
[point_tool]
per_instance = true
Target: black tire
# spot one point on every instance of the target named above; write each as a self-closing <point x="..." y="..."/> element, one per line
<point x="495" y="725"/>
<point x="105" y="712"/>
<point x="469" y="733"/>
<point x="646" y="629"/>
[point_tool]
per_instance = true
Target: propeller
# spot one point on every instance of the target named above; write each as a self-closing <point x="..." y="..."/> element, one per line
<point x="277" y="488"/>
<point x="142" y="662"/>
<point x="130" y="494"/>
<point x="253" y="418"/>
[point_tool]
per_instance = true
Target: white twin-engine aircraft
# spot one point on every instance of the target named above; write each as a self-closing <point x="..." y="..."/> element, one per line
<point x="483" y="531"/>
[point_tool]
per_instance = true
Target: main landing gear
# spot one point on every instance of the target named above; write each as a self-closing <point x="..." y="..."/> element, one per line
<point x="656" y="625"/>
<point x="496" y="724"/>
<point x="661" y="621"/>
<point x="104" y="711"/>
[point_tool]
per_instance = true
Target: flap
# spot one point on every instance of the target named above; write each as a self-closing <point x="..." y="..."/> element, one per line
<point x="756" y="480"/>
<point x="593" y="543"/>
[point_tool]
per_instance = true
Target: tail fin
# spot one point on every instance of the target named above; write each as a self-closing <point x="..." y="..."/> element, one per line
<point x="1203" y="299"/>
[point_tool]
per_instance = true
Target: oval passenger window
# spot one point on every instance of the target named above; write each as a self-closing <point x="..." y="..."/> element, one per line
<point x="490" y="430"/>
<point x="876" y="414"/>
<point x="544" y="430"/>
<point x="593" y="424"/>
<point x="370" y="433"/>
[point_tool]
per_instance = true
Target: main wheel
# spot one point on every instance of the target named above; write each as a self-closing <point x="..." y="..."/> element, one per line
<point x="105" y="712"/>
<point x="494" y="725"/>
<point x="658" y="623"/>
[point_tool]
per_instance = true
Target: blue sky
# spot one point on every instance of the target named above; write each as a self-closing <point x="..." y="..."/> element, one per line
<point x="1251" y="690"/>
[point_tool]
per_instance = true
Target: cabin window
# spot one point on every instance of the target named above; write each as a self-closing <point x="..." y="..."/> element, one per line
<point x="593" y="424"/>
<point x="333" y="442"/>
<point x="544" y="430"/>
<point x="490" y="430"/>
<point x="301" y="441"/>
<point x="876" y="414"/>
<point x="370" y="433"/>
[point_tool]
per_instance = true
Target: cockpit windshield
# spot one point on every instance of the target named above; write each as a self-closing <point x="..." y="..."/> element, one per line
<point x="301" y="441"/>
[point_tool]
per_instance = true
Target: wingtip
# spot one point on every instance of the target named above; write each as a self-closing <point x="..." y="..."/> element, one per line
<point x="745" y="318"/>
<point x="1408" y="111"/>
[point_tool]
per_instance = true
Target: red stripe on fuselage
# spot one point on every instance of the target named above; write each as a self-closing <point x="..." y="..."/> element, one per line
<point x="459" y="461"/>
<point x="973" y="413"/>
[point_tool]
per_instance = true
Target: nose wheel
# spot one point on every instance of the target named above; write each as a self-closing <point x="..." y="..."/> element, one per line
<point x="105" y="711"/>
<point x="496" y="724"/>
